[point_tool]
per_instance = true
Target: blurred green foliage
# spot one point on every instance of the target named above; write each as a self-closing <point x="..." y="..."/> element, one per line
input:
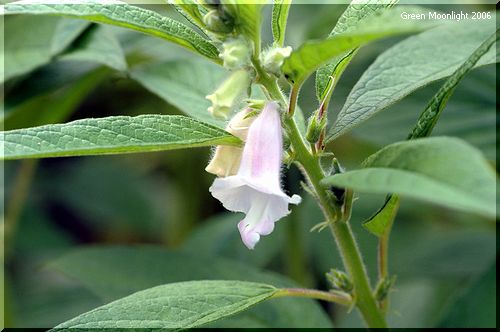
<point x="445" y="260"/>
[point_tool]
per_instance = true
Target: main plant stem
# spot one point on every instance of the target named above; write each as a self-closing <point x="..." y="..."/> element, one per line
<point x="341" y="231"/>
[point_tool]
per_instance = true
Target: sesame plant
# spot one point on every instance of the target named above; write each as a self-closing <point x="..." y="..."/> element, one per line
<point x="263" y="118"/>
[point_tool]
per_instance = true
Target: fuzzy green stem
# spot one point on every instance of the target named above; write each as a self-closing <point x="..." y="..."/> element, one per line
<point x="336" y="297"/>
<point x="341" y="231"/>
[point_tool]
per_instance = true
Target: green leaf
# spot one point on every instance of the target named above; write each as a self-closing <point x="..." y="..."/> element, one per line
<point x="66" y="32"/>
<point x="470" y="114"/>
<point x="55" y="106"/>
<point x="382" y="220"/>
<point x="189" y="9"/>
<point x="24" y="50"/>
<point x="476" y="306"/>
<point x="112" y="135"/>
<point x="184" y="84"/>
<point x="278" y="20"/>
<point x="217" y="237"/>
<point x="350" y="20"/>
<point x="101" y="269"/>
<point x="440" y="170"/>
<point x="247" y="19"/>
<point x="124" y="15"/>
<point x="431" y="113"/>
<point x="398" y="72"/>
<point x="100" y="45"/>
<point x="175" y="306"/>
<point x="312" y="54"/>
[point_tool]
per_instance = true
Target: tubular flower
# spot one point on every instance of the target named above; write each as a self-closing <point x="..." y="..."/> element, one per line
<point x="256" y="190"/>
<point x="226" y="159"/>
<point x="229" y="94"/>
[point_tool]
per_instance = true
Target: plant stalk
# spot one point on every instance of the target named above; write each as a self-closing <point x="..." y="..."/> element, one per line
<point x="341" y="231"/>
<point x="336" y="297"/>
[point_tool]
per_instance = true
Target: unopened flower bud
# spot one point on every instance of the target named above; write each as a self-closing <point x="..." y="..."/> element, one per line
<point x="315" y="127"/>
<point x="340" y="280"/>
<point x="273" y="59"/>
<point x="383" y="288"/>
<point x="217" y="22"/>
<point x="256" y="104"/>
<point x="236" y="53"/>
<point x="226" y="160"/>
<point x="229" y="94"/>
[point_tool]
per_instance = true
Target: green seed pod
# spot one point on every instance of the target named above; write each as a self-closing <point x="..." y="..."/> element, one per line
<point x="315" y="127"/>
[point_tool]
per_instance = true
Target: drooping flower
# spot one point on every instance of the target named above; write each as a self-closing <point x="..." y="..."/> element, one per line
<point x="256" y="189"/>
<point x="227" y="158"/>
<point x="272" y="59"/>
<point x="236" y="53"/>
<point x="229" y="94"/>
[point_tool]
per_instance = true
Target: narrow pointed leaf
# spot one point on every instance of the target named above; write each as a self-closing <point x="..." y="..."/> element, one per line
<point x="189" y="9"/>
<point x="279" y="19"/>
<point x="175" y="306"/>
<point x="382" y="220"/>
<point x="430" y="115"/>
<point x="111" y="135"/>
<point x="350" y="20"/>
<point x="312" y="54"/>
<point x="122" y="15"/>
<point x="24" y="51"/>
<point x="248" y="18"/>
<point x="440" y="170"/>
<point x="398" y="72"/>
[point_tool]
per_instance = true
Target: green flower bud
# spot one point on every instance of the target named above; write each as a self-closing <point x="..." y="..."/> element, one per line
<point x="229" y="94"/>
<point x="340" y="280"/>
<point x="315" y="127"/>
<point x="236" y="54"/>
<point x="273" y="58"/>
<point x="256" y="104"/>
<point x="383" y="288"/>
<point x="217" y="22"/>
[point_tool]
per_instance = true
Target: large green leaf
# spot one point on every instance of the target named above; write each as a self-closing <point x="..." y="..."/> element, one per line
<point x="123" y="15"/>
<point x="382" y="220"/>
<point x="469" y="115"/>
<point x="101" y="269"/>
<point x="55" y="106"/>
<point x="175" y="306"/>
<point x="97" y="44"/>
<point x="24" y="50"/>
<point x="66" y="32"/>
<point x="350" y="20"/>
<point x="112" y="135"/>
<point x="409" y="65"/>
<point x="431" y="113"/>
<point x="278" y="20"/>
<point x="247" y="19"/>
<point x="218" y="237"/>
<point x="440" y="170"/>
<point x="184" y="84"/>
<point x="312" y="54"/>
<point x="475" y="307"/>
